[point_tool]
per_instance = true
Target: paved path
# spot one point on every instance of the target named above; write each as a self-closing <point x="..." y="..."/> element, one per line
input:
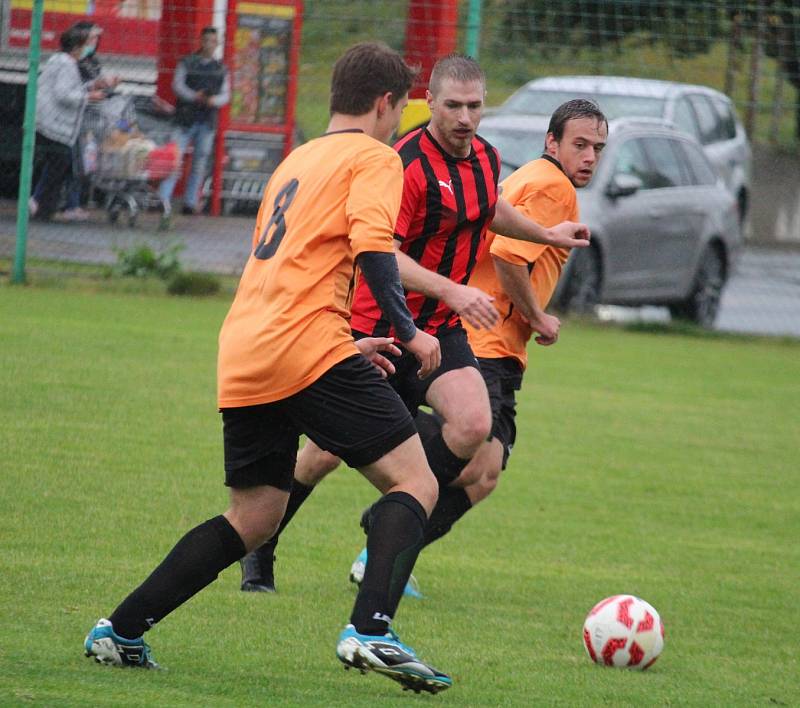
<point x="762" y="297"/>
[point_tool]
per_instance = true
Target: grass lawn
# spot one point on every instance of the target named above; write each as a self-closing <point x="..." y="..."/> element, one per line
<point x="658" y="464"/>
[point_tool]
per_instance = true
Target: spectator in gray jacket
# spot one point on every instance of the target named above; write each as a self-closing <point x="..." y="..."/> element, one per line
<point x="60" y="102"/>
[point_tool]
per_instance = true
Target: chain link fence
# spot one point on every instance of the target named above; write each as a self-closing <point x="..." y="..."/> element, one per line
<point x="119" y="166"/>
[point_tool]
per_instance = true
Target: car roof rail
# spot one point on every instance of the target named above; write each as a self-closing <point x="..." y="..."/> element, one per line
<point x="644" y="121"/>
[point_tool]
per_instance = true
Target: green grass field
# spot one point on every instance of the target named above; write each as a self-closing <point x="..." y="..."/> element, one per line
<point x="658" y="464"/>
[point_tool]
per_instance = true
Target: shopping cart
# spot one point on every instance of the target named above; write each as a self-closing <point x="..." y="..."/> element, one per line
<point x="127" y="151"/>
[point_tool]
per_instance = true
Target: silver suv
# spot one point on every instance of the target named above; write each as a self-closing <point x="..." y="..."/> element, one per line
<point x="665" y="230"/>
<point x="706" y="114"/>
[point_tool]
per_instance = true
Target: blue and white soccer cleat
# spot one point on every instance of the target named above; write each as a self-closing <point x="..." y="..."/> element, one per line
<point x="387" y="655"/>
<point x="360" y="565"/>
<point x="107" y="647"/>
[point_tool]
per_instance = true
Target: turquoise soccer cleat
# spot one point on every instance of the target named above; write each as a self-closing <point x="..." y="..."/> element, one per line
<point x="107" y="647"/>
<point x="387" y="655"/>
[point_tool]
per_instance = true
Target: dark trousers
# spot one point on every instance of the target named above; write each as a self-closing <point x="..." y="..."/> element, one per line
<point x="55" y="164"/>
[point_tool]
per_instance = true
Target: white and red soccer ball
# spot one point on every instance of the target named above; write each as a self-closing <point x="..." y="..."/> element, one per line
<point x="623" y="631"/>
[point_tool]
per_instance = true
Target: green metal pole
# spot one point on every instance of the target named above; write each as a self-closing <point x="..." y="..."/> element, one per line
<point x="474" y="28"/>
<point x="28" y="142"/>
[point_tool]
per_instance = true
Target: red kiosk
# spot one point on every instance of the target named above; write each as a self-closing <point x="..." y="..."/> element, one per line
<point x="261" y="52"/>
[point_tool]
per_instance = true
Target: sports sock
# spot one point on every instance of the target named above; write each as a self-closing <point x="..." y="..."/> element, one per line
<point x="299" y="493"/>
<point x="446" y="465"/>
<point x="193" y="563"/>
<point x="428" y="425"/>
<point x="453" y="503"/>
<point x="393" y="544"/>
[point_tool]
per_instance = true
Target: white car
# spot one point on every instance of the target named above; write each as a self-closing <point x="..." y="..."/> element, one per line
<point x="706" y="114"/>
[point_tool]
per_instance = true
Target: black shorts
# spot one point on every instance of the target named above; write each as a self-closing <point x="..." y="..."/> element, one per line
<point x="456" y="354"/>
<point x="350" y="411"/>
<point x="503" y="377"/>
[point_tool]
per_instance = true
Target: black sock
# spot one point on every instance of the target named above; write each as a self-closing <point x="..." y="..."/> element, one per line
<point x="393" y="544"/>
<point x="299" y="493"/>
<point x="428" y="425"/>
<point x="446" y="465"/>
<point x="193" y="563"/>
<point x="453" y="503"/>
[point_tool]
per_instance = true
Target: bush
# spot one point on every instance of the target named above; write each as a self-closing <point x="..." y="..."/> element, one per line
<point x="193" y="284"/>
<point x="142" y="261"/>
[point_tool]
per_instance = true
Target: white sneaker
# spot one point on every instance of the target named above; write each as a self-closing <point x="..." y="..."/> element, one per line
<point x="360" y="565"/>
<point x="33" y="207"/>
<point x="76" y="214"/>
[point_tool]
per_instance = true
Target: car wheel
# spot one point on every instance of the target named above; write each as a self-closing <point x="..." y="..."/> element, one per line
<point x="702" y="304"/>
<point x="585" y="282"/>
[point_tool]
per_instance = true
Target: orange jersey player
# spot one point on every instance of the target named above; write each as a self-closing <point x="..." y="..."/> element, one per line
<point x="288" y="365"/>
<point x="521" y="277"/>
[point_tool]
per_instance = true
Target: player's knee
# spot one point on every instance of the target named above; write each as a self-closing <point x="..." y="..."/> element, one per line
<point x="255" y="525"/>
<point x="470" y="430"/>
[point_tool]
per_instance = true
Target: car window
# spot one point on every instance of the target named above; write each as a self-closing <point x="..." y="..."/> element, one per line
<point x="685" y="118"/>
<point x="613" y="106"/>
<point x="727" y="121"/>
<point x="631" y="159"/>
<point x="702" y="172"/>
<point x="707" y="119"/>
<point x="516" y="147"/>
<point x="667" y="164"/>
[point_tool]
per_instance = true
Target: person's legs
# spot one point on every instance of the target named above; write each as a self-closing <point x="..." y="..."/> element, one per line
<point x="313" y="465"/>
<point x="260" y="450"/>
<point x="56" y="163"/>
<point x="203" y="142"/>
<point x="356" y="415"/>
<point x="393" y="542"/>
<point x="460" y="399"/>
<point x="181" y="137"/>
<point x="489" y="463"/>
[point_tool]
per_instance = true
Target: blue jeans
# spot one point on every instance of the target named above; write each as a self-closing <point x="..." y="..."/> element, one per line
<point x="201" y="135"/>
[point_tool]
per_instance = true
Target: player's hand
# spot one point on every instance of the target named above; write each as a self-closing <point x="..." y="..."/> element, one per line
<point x="568" y="234"/>
<point x="96" y="96"/>
<point x="426" y="349"/>
<point x="473" y="305"/>
<point x="548" y="327"/>
<point x="371" y="348"/>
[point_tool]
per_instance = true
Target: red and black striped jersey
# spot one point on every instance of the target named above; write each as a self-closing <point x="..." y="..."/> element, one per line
<point x="448" y="203"/>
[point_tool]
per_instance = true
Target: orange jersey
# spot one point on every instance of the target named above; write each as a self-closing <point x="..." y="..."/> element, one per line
<point x="541" y="191"/>
<point x="328" y="201"/>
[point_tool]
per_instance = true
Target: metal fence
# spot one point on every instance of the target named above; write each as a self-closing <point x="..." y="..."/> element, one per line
<point x="112" y="166"/>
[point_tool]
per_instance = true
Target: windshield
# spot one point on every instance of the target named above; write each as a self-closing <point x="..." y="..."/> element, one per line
<point x="613" y="106"/>
<point x="516" y="147"/>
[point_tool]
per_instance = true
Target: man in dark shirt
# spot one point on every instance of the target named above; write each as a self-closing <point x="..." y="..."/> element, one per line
<point x="202" y="86"/>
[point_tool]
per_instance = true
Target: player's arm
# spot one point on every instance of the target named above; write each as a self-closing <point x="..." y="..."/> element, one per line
<point x="508" y="221"/>
<point x="474" y="305"/>
<point x="381" y="273"/>
<point x="516" y="282"/>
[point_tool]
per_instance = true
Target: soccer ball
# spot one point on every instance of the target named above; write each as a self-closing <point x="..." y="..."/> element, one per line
<point x="624" y="631"/>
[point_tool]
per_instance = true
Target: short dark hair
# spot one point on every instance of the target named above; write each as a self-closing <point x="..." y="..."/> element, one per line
<point x="365" y="72"/>
<point x="576" y="108"/>
<point x="459" y="67"/>
<point x="72" y="38"/>
<point x="208" y="30"/>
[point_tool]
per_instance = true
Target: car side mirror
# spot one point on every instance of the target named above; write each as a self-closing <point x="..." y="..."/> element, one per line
<point x="623" y="185"/>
